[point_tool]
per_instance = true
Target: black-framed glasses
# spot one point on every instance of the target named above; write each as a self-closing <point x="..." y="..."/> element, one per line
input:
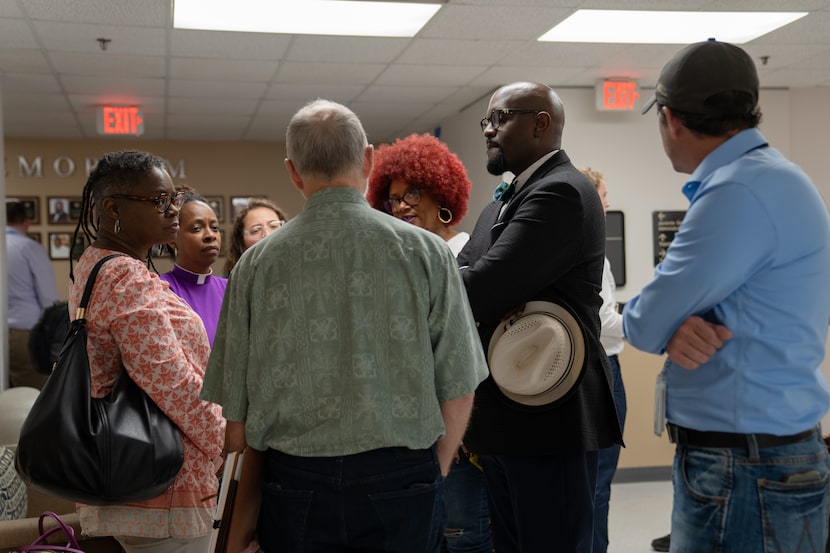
<point x="162" y="202"/>
<point x="411" y="198"/>
<point x="259" y="231"/>
<point x="501" y="116"/>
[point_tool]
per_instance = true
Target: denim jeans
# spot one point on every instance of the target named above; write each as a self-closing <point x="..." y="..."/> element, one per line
<point x="468" y="518"/>
<point x="388" y="500"/>
<point x="770" y="500"/>
<point x="607" y="463"/>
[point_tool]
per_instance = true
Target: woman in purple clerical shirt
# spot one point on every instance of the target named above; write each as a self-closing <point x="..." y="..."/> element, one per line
<point x="195" y="250"/>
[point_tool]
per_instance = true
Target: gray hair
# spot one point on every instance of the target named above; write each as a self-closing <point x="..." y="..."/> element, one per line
<point x="325" y="139"/>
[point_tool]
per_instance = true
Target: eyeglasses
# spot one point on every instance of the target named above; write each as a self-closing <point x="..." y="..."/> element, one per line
<point x="259" y="231"/>
<point x="411" y="198"/>
<point x="162" y="202"/>
<point x="501" y="116"/>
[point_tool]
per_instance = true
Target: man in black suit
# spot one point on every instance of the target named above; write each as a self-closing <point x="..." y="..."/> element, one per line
<point x="544" y="241"/>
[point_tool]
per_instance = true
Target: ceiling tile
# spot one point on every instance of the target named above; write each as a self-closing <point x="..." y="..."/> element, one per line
<point x="333" y="49"/>
<point x="498" y="76"/>
<point x="429" y="75"/>
<point x="15" y="33"/>
<point x="205" y="121"/>
<point x="9" y="8"/>
<point x="378" y="111"/>
<point x="234" y="70"/>
<point x="228" y="45"/>
<point x="210" y="107"/>
<point x="381" y="93"/>
<point x="280" y="108"/>
<point x="89" y="102"/>
<point x="25" y="129"/>
<point x="23" y="61"/>
<point x="148" y="13"/>
<point x="102" y="63"/>
<point x="29" y="82"/>
<point x="304" y="92"/>
<point x="74" y="37"/>
<point x="17" y="102"/>
<point x="457" y="52"/>
<point x="216" y="89"/>
<point x="204" y="133"/>
<point x="268" y="127"/>
<point x="328" y="73"/>
<point x="123" y="88"/>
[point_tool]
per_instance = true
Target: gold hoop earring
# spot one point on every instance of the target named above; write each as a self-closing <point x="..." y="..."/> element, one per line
<point x="117" y="227"/>
<point x="447" y="218"/>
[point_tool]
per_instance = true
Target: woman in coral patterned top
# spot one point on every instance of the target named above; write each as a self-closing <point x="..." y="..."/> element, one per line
<point x="130" y="204"/>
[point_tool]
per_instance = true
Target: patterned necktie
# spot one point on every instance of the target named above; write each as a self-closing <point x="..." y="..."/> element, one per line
<point x="504" y="190"/>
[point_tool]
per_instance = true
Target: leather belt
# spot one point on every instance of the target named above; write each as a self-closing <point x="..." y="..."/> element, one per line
<point x="697" y="438"/>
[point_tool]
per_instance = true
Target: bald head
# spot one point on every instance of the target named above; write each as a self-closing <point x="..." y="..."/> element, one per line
<point x="524" y="137"/>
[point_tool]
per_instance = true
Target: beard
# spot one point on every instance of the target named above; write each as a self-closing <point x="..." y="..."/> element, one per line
<point x="496" y="164"/>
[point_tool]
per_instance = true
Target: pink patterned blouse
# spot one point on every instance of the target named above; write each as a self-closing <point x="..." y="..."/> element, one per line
<point x="134" y="318"/>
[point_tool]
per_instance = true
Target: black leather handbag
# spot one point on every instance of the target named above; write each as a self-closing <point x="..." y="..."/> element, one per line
<point x="117" y="449"/>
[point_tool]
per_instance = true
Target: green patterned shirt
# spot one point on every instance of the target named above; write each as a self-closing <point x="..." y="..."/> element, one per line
<point x="342" y="332"/>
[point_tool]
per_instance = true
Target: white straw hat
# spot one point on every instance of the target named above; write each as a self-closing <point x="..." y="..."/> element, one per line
<point x="536" y="357"/>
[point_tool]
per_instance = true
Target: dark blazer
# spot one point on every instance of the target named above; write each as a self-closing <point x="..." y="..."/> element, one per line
<point x="549" y="244"/>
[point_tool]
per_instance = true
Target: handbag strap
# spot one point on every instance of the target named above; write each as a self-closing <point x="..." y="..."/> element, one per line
<point x="90" y="282"/>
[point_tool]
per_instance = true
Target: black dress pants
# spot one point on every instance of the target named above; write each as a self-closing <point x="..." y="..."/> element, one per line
<point x="541" y="504"/>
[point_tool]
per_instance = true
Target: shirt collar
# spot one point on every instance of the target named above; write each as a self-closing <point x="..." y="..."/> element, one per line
<point x="523" y="177"/>
<point x="335" y="194"/>
<point x="726" y="153"/>
<point x="190" y="276"/>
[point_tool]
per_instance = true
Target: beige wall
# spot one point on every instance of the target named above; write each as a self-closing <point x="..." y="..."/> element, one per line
<point x="224" y="169"/>
<point x="642" y="447"/>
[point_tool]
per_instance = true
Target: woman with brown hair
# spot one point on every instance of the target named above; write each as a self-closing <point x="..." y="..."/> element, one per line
<point x="255" y="222"/>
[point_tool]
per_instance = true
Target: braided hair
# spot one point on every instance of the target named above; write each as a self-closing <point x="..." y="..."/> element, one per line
<point x="116" y="172"/>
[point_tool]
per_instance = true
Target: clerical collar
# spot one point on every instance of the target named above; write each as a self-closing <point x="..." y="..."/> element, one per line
<point x="196" y="278"/>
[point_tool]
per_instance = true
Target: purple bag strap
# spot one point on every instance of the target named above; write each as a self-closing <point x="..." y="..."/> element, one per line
<point x="42" y="543"/>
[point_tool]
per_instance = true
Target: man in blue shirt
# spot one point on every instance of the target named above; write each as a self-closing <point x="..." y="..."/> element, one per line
<point x="31" y="288"/>
<point x="741" y="304"/>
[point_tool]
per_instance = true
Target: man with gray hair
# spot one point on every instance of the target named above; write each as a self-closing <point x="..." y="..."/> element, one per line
<point x="346" y="351"/>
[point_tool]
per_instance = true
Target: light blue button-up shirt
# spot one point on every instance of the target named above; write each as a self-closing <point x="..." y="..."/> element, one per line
<point x="753" y="254"/>
<point x="31" y="281"/>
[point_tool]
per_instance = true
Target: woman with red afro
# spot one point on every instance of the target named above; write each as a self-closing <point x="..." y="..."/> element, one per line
<point x="417" y="179"/>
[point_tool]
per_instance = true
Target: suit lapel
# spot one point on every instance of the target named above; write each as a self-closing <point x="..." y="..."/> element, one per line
<point x="558" y="158"/>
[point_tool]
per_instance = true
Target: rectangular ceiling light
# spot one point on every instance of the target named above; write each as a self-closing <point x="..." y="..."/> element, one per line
<point x="305" y="17"/>
<point x="663" y="27"/>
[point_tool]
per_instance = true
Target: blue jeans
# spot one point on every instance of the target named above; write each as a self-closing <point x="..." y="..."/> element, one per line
<point x="388" y="500"/>
<point x="607" y="463"/>
<point x="468" y="518"/>
<point x="770" y="500"/>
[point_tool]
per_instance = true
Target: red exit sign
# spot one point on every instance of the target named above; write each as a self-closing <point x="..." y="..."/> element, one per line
<point x="120" y="121"/>
<point x="617" y="95"/>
